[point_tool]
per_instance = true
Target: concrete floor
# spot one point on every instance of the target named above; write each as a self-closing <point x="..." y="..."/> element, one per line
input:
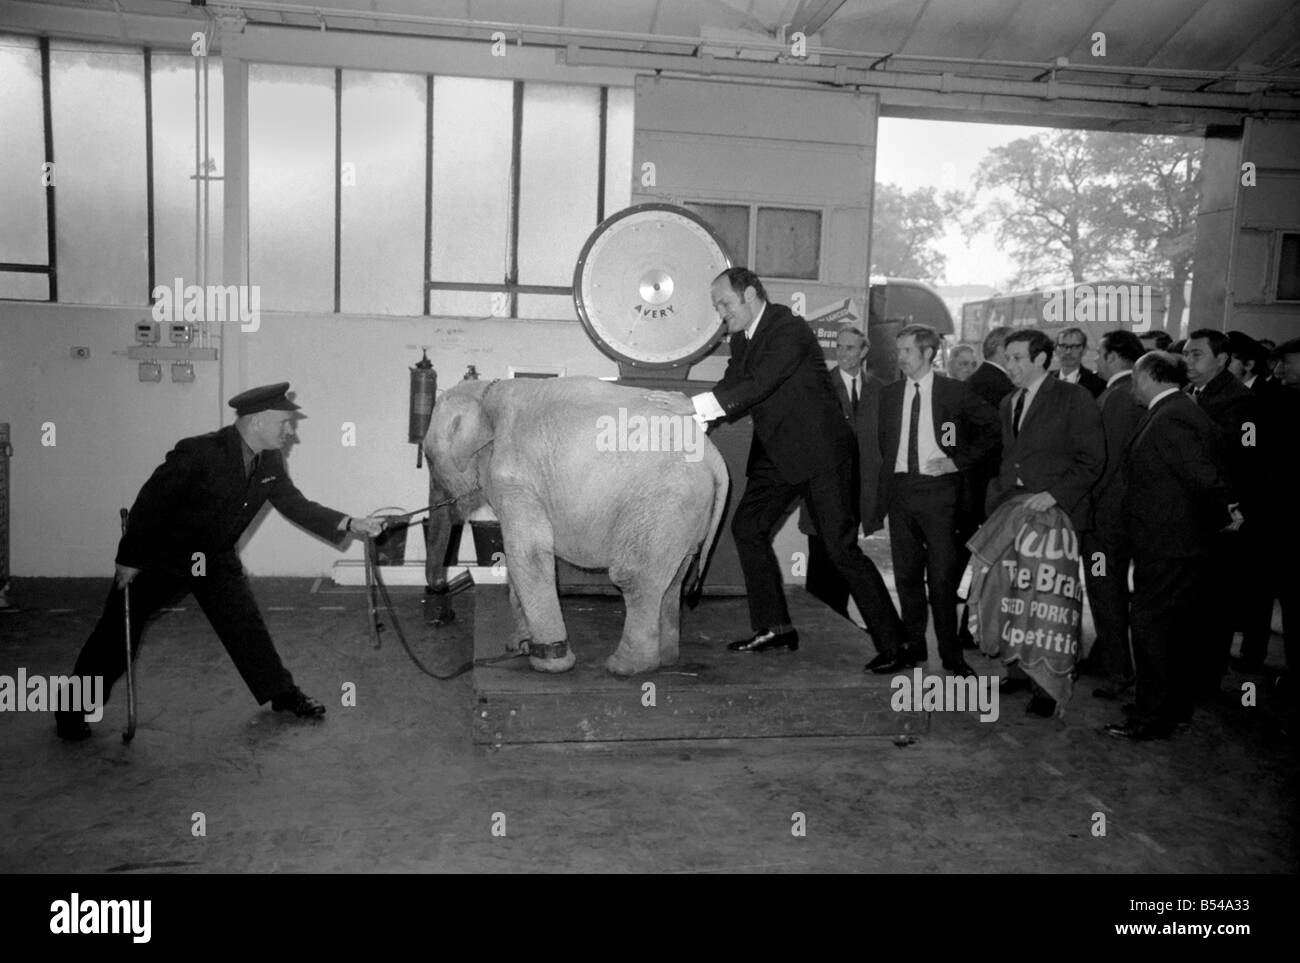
<point x="395" y="785"/>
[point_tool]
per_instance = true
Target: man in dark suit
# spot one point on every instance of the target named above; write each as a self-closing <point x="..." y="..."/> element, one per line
<point x="932" y="429"/>
<point x="1053" y="447"/>
<point x="1155" y="340"/>
<point x="1175" y="502"/>
<point x="990" y="379"/>
<point x="1235" y="409"/>
<point x="1264" y="550"/>
<point x="1070" y="347"/>
<point x="802" y="447"/>
<point x="1106" y="554"/>
<point x="858" y="392"/>
<point x="991" y="383"/>
<point x="180" y="538"/>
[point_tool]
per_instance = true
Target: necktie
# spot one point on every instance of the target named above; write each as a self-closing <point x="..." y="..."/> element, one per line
<point x="1020" y="410"/>
<point x="853" y="396"/>
<point x="254" y="464"/>
<point x="914" y="433"/>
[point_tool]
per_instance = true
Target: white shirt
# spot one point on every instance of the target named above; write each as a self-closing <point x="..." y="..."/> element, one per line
<point x="1072" y="378"/>
<point x="706" y="406"/>
<point x="848" y="380"/>
<point x="1127" y="372"/>
<point x="1163" y="394"/>
<point x="1249" y="382"/>
<point x="926" y="446"/>
<point x="1030" y="393"/>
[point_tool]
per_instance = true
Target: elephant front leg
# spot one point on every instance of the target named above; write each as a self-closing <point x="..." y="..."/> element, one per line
<point x="670" y="617"/>
<point x="530" y="566"/>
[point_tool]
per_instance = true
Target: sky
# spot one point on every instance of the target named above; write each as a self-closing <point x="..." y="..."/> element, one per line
<point x="945" y="155"/>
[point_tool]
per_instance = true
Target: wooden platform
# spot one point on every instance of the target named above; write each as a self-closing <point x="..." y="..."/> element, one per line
<point x="711" y="693"/>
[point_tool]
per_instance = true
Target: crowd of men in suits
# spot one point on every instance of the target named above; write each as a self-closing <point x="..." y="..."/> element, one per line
<point x="1172" y="461"/>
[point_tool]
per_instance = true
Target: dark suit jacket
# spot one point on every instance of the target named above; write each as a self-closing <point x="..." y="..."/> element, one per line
<point x="1231" y="406"/>
<point x="865" y="427"/>
<point x="1120" y="415"/>
<point x="1061" y="449"/>
<point x="199" y="500"/>
<point x="991" y="383"/>
<point x="782" y="382"/>
<point x="1175" y="494"/>
<point x="1094" y="382"/>
<point x="951" y="402"/>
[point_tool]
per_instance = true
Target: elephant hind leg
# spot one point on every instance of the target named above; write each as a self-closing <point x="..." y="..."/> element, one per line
<point x="670" y="616"/>
<point x="643" y="592"/>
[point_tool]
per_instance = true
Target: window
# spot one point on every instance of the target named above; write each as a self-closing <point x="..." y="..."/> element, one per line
<point x="24" y="251"/>
<point x="788" y="243"/>
<point x="291" y="186"/>
<point x="101" y="224"/>
<point x="731" y="223"/>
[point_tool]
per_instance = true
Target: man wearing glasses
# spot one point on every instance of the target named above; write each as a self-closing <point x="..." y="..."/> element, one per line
<point x="1070" y="346"/>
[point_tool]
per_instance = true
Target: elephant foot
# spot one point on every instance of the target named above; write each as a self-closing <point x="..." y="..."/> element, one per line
<point x="562" y="664"/>
<point x="623" y="662"/>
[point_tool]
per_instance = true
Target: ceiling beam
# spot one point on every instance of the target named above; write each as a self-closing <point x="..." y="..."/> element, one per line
<point x="808" y="20"/>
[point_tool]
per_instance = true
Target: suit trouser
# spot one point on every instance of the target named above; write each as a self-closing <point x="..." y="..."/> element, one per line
<point x="924" y="544"/>
<point x="1165" y="596"/>
<point x="1261" y="584"/>
<point x="225" y="597"/>
<point x="824" y="581"/>
<point x="765" y="504"/>
<point x="1108" y="596"/>
<point x="1226" y="572"/>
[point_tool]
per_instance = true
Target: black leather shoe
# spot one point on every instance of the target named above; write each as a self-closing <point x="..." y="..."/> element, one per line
<point x="959" y="668"/>
<point x="1044" y="706"/>
<point x="1137" y="730"/>
<point x="71" y="726"/>
<point x="762" y="641"/>
<point x="1009" y="685"/>
<point x="299" y="703"/>
<point x="889" y="664"/>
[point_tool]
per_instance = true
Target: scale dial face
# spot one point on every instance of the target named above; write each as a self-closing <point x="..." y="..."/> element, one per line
<point x="642" y="286"/>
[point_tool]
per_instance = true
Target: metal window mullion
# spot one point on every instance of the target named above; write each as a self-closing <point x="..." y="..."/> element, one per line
<point x="600" y="160"/>
<point x="428" y="187"/>
<point x="47" y="119"/>
<point x="338" y="186"/>
<point x="148" y="174"/>
<point x="516" y="153"/>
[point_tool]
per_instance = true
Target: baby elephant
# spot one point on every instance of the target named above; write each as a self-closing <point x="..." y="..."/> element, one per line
<point x="586" y="471"/>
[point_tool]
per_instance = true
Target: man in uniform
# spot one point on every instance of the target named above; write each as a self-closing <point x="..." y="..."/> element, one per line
<point x="181" y="535"/>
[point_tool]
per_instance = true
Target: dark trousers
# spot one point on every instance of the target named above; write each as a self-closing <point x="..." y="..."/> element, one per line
<point x="1108" y="596"/>
<point x="1265" y="561"/>
<point x="923" y="540"/>
<point x="1166" y="593"/>
<point x="824" y="580"/>
<point x="1226" y="574"/>
<point x="766" y="502"/>
<point x="226" y="599"/>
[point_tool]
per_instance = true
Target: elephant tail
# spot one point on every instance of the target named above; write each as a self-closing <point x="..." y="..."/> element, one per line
<point x="721" y="485"/>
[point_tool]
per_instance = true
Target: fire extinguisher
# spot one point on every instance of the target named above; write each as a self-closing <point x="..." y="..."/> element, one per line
<point x="424" y="388"/>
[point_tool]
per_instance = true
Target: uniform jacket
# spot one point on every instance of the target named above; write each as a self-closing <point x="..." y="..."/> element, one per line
<point x="199" y="500"/>
<point x="781" y="381"/>
<point x="975" y="424"/>
<point x="1060" y="449"/>
<point x="866" y="426"/>
<point x="1175" y="494"/>
<point x="1120" y="415"/>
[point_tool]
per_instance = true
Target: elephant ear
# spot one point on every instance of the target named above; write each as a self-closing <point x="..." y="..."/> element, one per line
<point x="468" y="434"/>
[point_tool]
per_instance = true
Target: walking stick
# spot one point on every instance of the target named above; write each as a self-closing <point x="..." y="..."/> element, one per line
<point x="129" y="734"/>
